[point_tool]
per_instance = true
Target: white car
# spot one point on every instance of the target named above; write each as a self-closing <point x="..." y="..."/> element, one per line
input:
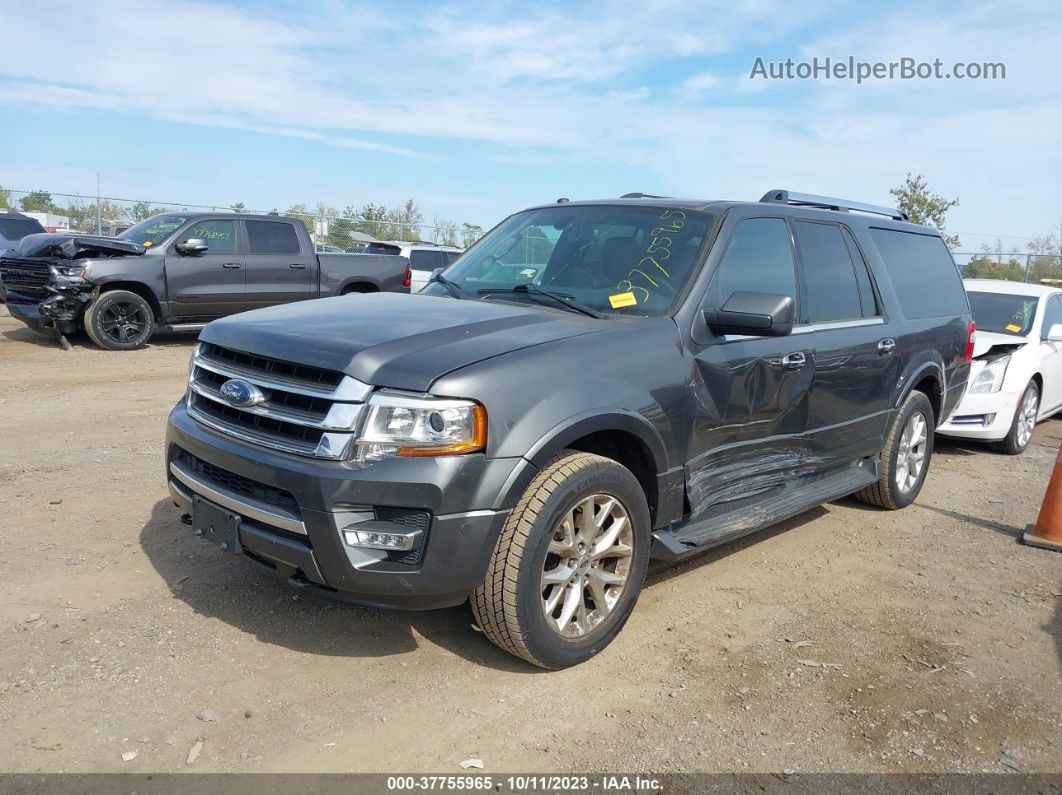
<point x="1016" y="373"/>
<point x="424" y="258"/>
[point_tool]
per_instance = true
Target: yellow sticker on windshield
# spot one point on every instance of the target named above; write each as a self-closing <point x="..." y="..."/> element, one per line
<point x="620" y="300"/>
<point x="1012" y="327"/>
<point x="147" y="244"/>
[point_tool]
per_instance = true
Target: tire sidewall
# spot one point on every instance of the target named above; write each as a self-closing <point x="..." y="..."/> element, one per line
<point x="918" y="402"/>
<point x="542" y="641"/>
<point x="1012" y="441"/>
<point x="105" y="300"/>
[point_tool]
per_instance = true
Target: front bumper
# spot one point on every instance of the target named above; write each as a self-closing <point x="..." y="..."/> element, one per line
<point x="299" y="539"/>
<point x="987" y="417"/>
<point x="27" y="313"/>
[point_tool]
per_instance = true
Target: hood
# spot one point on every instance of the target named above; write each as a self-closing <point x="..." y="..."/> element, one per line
<point x="50" y="244"/>
<point x="985" y="341"/>
<point x="394" y="340"/>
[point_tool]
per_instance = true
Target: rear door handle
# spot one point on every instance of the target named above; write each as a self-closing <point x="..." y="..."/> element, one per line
<point x="232" y="266"/>
<point x="886" y="346"/>
<point x="298" y="266"/>
<point x="794" y="360"/>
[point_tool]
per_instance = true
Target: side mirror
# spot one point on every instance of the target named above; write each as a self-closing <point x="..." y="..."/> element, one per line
<point x="435" y="273"/>
<point x="753" y="314"/>
<point x="1054" y="334"/>
<point x="192" y="247"/>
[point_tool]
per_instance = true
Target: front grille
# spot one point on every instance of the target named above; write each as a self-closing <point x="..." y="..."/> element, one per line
<point x="24" y="273"/>
<point x="304" y="410"/>
<point x="272" y="367"/>
<point x="230" y="481"/>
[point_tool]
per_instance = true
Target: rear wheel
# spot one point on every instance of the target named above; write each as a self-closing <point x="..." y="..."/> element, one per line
<point x="119" y="320"/>
<point x="569" y="564"/>
<point x="1021" y="428"/>
<point x="905" y="456"/>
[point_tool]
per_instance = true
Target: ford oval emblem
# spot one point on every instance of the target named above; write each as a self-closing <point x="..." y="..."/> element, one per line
<point x="240" y="393"/>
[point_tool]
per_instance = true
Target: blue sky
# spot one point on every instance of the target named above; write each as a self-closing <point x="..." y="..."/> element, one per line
<point x="479" y="109"/>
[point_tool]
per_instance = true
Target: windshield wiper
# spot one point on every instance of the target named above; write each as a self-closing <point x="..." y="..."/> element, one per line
<point x="561" y="299"/>
<point x="451" y="287"/>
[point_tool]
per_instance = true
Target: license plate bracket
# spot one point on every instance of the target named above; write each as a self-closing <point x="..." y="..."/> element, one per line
<point x="215" y="524"/>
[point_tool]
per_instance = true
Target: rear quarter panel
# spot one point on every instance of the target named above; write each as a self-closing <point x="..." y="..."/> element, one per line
<point x="385" y="272"/>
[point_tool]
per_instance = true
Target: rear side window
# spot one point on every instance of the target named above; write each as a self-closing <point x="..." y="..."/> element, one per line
<point x="421" y="260"/>
<point x="17" y="228"/>
<point x="923" y="273"/>
<point x="758" y="259"/>
<point x="829" y="273"/>
<point x="271" y="237"/>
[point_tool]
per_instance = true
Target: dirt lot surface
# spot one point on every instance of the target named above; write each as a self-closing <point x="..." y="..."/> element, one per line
<point x="849" y="639"/>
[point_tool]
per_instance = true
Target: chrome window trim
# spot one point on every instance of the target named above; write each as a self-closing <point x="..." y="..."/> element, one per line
<point x="839" y="324"/>
<point x="238" y="503"/>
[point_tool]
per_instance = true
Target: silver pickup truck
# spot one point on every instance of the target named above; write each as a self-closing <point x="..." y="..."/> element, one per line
<point x="178" y="271"/>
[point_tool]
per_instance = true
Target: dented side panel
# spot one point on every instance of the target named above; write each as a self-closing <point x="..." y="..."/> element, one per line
<point x="750" y="413"/>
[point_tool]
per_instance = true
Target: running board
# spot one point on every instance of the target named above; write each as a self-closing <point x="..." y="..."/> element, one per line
<point x="689" y="538"/>
<point x="184" y="327"/>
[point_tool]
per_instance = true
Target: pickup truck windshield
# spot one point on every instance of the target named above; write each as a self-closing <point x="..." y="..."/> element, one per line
<point x="1003" y="314"/>
<point x="154" y="230"/>
<point x="611" y="259"/>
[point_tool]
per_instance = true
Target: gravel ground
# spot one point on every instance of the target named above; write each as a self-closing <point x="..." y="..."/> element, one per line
<point x="849" y="639"/>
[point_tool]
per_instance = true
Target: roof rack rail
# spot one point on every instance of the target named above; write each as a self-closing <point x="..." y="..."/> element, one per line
<point x="642" y="196"/>
<point x="828" y="203"/>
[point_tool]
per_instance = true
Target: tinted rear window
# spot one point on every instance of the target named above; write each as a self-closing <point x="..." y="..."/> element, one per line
<point x="17" y="228"/>
<point x="426" y="260"/>
<point x="922" y="272"/>
<point x="271" y="237"/>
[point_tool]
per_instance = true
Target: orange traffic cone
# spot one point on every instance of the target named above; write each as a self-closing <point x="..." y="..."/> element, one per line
<point x="1048" y="530"/>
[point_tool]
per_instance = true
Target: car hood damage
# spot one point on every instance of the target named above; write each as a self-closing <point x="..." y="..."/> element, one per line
<point x="991" y="344"/>
<point x="392" y="340"/>
<point x="48" y="270"/>
<point x="73" y="247"/>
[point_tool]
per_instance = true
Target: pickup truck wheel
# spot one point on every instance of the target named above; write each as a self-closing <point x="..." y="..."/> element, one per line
<point x="1021" y="427"/>
<point x="119" y="320"/>
<point x="905" y="456"/>
<point x="569" y="564"/>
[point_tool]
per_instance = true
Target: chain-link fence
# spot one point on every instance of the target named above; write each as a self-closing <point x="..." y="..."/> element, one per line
<point x="1014" y="267"/>
<point x="328" y="226"/>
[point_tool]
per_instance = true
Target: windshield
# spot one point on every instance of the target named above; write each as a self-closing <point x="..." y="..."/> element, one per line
<point x="1004" y="314"/>
<point x="612" y="259"/>
<point x="154" y="230"/>
<point x="17" y="228"/>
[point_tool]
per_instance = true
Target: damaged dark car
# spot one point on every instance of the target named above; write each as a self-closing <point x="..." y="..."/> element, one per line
<point x="590" y="385"/>
<point x="177" y="271"/>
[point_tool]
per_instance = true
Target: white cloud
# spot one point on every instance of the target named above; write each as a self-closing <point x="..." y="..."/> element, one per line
<point x="545" y="83"/>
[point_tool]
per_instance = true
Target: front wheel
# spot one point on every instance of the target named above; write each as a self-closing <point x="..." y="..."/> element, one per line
<point x="905" y="456"/>
<point x="1021" y="427"/>
<point x="119" y="320"/>
<point x="569" y="564"/>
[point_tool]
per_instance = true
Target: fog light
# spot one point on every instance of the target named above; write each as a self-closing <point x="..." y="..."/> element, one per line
<point x="377" y="539"/>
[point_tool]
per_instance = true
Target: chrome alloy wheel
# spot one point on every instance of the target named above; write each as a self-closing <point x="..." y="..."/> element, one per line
<point x="587" y="565"/>
<point x="911" y="453"/>
<point x="1027" y="416"/>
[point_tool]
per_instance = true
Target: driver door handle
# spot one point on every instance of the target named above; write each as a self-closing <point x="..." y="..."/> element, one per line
<point x="886" y="346"/>
<point x="794" y="360"/>
<point x="298" y="266"/>
<point x="232" y="266"/>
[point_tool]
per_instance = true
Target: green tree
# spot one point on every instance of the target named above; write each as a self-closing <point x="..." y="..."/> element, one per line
<point x="238" y="207"/>
<point x="39" y="201"/>
<point x="339" y="230"/>
<point x="924" y="207"/>
<point x="83" y="216"/>
<point x="444" y="232"/>
<point x="372" y="220"/>
<point x="5" y="199"/>
<point x="299" y="211"/>
<point x="470" y="233"/>
<point x="138" y="211"/>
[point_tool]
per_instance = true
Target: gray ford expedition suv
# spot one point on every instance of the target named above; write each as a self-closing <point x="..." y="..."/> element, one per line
<point x="591" y="385"/>
<point x="178" y="271"/>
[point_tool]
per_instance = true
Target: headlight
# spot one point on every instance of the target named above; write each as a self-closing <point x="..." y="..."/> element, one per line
<point x="71" y="271"/>
<point x="990" y="379"/>
<point x="396" y="425"/>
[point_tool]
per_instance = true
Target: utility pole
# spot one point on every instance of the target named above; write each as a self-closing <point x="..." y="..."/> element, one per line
<point x="99" y="221"/>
